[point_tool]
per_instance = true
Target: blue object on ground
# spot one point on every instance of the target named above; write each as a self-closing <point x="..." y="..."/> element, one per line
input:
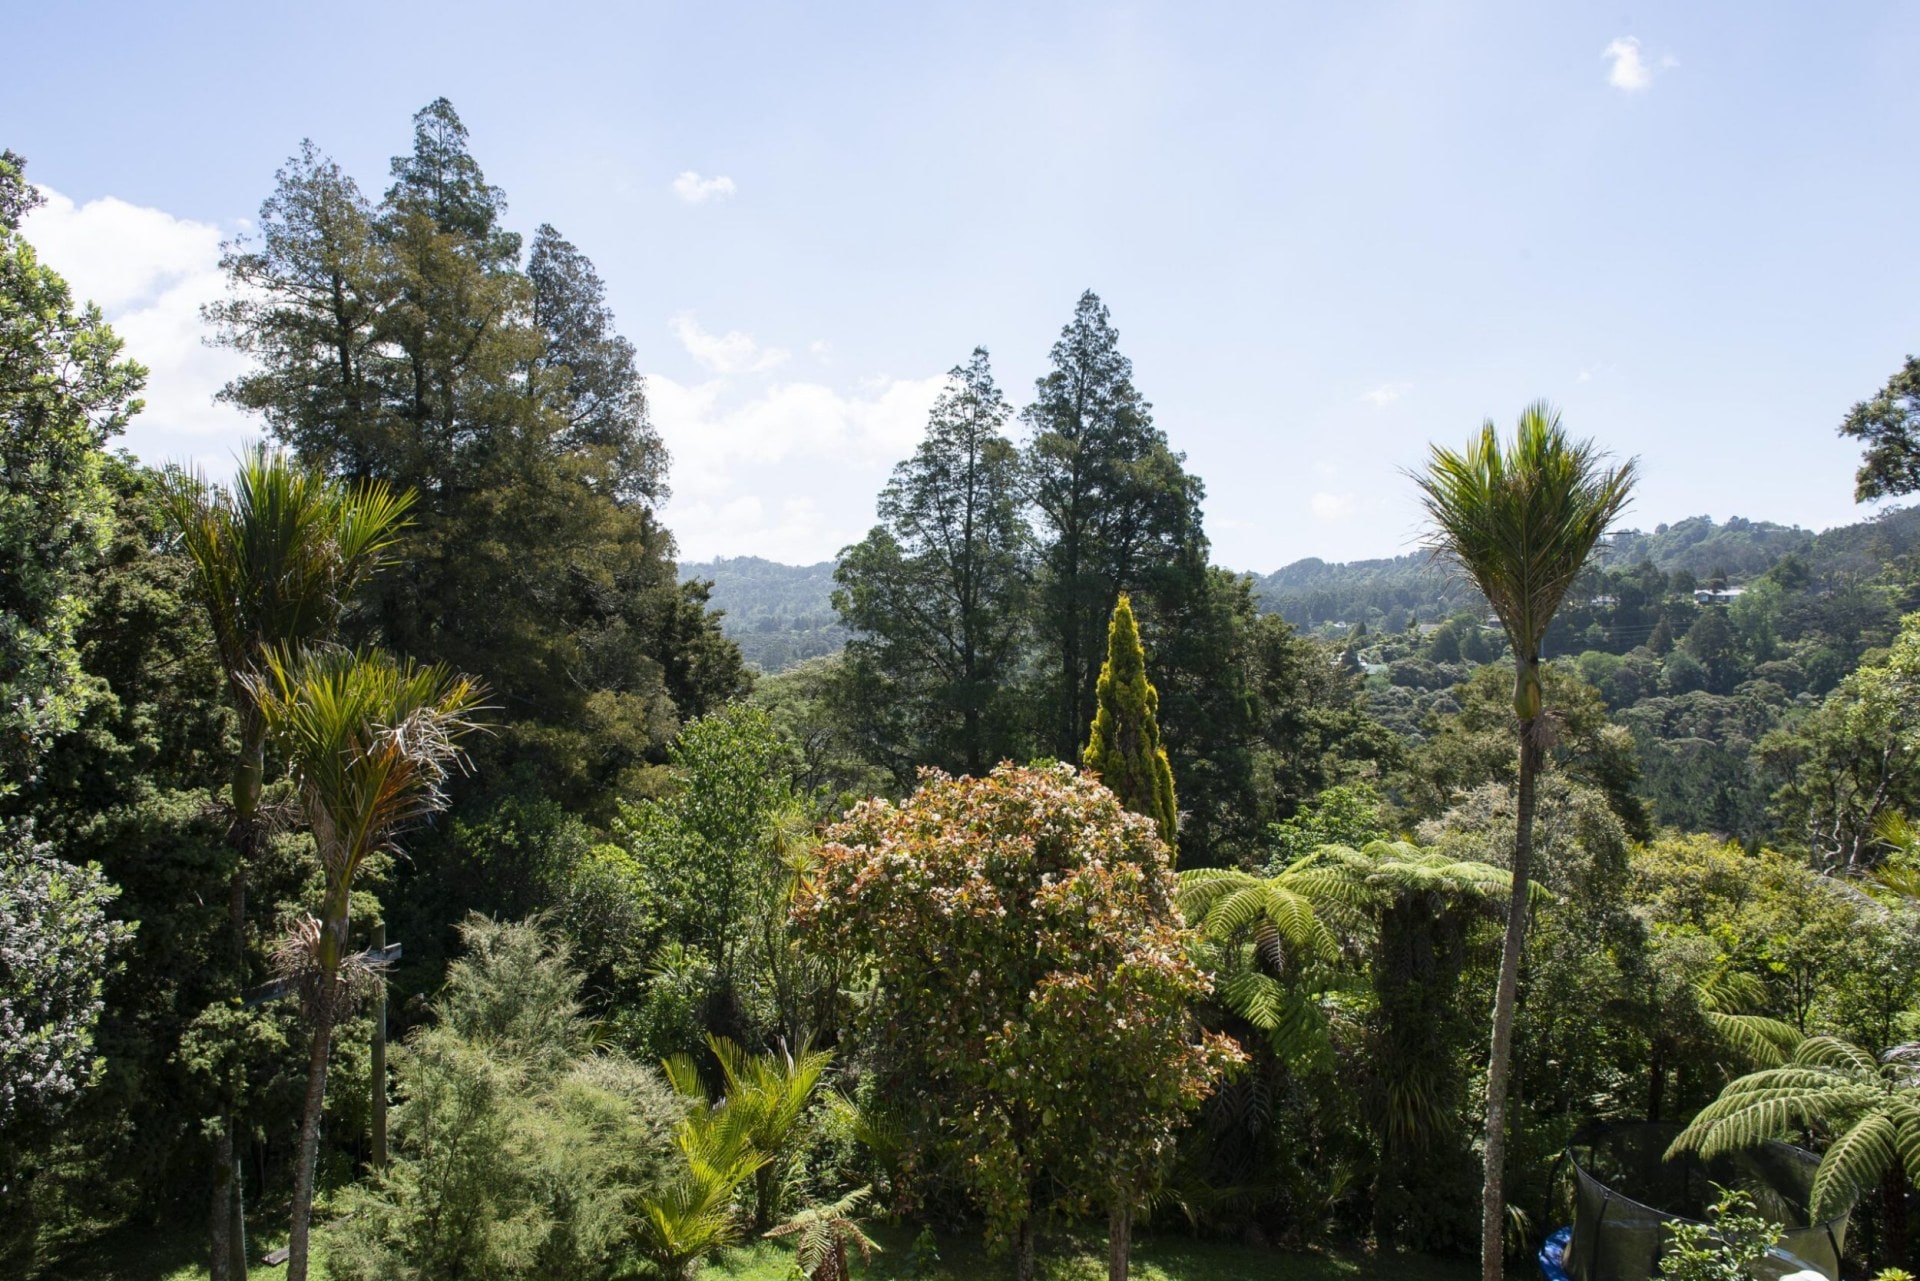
<point x="1554" y="1253"/>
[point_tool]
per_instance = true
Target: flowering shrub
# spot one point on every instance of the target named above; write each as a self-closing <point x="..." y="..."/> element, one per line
<point x="1032" y="984"/>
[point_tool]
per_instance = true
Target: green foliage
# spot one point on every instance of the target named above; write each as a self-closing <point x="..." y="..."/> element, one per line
<point x="401" y="342"/>
<point x="1726" y="1248"/>
<point x="1886" y="424"/>
<point x="694" y="1213"/>
<point x="370" y="740"/>
<point x="65" y="392"/>
<point x="1029" y="1018"/>
<point x="768" y="1096"/>
<point x="57" y="945"/>
<point x="1520" y="519"/>
<point x="825" y="1234"/>
<point x="935" y="597"/>
<point x="1123" y="749"/>
<point x="1350" y="815"/>
<point x="1474" y="746"/>
<point x="520" y="1146"/>
<point x="1865" y="1102"/>
<point x="1853" y="760"/>
<point x="278" y="556"/>
<point x="925" y="1258"/>
<point x="708" y="851"/>
<point x="779" y="615"/>
<point x="1116" y="511"/>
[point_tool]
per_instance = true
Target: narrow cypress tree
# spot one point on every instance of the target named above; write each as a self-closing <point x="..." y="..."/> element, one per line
<point x="1124" y="748"/>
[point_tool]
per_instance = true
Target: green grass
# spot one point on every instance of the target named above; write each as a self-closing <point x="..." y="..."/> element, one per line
<point x="1170" y="1257"/>
<point x="149" y="1255"/>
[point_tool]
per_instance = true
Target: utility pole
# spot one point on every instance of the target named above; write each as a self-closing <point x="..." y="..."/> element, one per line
<point x="379" y="1056"/>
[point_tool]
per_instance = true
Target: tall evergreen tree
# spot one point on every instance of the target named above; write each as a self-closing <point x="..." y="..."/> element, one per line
<point x="936" y="596"/>
<point x="606" y="399"/>
<point x="1124" y="746"/>
<point x="1117" y="509"/>
<point x="404" y="343"/>
<point x="441" y="180"/>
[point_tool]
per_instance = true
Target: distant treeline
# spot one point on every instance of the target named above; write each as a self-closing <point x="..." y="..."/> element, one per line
<point x="781" y="615"/>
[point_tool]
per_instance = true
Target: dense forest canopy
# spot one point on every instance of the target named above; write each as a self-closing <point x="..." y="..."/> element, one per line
<point x="1021" y="874"/>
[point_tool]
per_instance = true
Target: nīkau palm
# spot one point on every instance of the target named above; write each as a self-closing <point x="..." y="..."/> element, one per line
<point x="1871" y="1107"/>
<point x="370" y="740"/>
<point x="1519" y="518"/>
<point x="275" y="559"/>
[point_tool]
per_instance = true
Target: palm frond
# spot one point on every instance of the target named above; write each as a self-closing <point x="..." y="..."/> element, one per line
<point x="1519" y="518"/>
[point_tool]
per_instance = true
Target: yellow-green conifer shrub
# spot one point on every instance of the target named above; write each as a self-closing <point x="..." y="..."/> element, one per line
<point x="1124" y="748"/>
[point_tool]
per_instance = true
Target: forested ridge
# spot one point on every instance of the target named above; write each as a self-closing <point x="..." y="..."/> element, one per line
<point x="1018" y="880"/>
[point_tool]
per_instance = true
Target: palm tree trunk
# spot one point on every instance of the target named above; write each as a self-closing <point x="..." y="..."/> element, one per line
<point x="297" y="1237"/>
<point x="1500" y="1059"/>
<point x="1119" y="1235"/>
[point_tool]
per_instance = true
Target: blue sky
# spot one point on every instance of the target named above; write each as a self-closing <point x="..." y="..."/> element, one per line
<point x="1328" y="233"/>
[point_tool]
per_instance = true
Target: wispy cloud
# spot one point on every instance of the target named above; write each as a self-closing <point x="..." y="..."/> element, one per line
<point x="1327" y="506"/>
<point x="696" y="190"/>
<point x="1631" y="71"/>
<point x="1383" y="395"/>
<point x="733" y="352"/>
<point x="786" y="470"/>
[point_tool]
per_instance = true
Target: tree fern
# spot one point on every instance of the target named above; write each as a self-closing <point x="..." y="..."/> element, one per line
<point x="823" y="1234"/>
<point x="1870" y="1104"/>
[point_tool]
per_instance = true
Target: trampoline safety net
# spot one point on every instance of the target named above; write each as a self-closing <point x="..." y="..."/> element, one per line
<point x="1626" y="1194"/>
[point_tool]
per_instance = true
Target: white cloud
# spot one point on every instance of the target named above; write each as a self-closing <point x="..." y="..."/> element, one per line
<point x="787" y="471"/>
<point x="696" y="190"/>
<point x="150" y="272"/>
<point x="1327" y="506"/>
<point x="1630" y="70"/>
<point x="733" y="352"/>
<point x="1383" y="395"/>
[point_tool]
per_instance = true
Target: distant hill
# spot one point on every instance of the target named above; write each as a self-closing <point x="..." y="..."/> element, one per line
<point x="781" y="614"/>
<point x="778" y="614"/>
<point x="1386" y="593"/>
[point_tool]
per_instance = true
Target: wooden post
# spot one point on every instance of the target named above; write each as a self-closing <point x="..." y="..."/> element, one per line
<point x="379" y="1073"/>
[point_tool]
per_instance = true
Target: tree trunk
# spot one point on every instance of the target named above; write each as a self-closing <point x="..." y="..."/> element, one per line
<point x="1657" y="1084"/>
<point x="220" y="1213"/>
<point x="1893" y="1208"/>
<point x="1023" y="1250"/>
<point x="1119" y="1236"/>
<point x="1500" y="1059"/>
<point x="310" y="1134"/>
<point x="227" y="1215"/>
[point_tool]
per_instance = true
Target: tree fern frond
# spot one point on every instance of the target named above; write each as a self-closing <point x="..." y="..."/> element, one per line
<point x="1853" y="1162"/>
<point x="1760" y="1039"/>
<point x="1831" y="1051"/>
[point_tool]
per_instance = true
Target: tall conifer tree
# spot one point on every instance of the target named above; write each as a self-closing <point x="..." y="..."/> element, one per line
<point x="936" y="595"/>
<point x="1124" y="748"/>
<point x="404" y="342"/>
<point x="1117" y="510"/>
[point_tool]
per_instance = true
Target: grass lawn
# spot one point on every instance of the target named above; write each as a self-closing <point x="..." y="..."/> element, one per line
<point x="145" y="1255"/>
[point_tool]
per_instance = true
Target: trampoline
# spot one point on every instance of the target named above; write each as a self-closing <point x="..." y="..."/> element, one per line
<point x="1625" y="1193"/>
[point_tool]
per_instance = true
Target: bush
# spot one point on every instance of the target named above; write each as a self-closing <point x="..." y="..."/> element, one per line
<point x="519" y="1151"/>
